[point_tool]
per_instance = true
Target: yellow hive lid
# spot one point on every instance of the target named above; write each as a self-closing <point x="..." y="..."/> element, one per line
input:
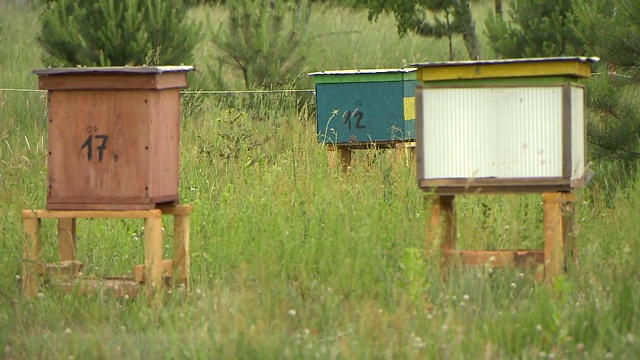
<point x="577" y="66"/>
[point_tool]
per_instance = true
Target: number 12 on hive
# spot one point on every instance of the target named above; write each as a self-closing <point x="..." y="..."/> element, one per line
<point x="357" y="114"/>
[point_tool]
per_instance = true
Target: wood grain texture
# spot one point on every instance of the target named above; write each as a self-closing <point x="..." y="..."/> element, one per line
<point x="509" y="68"/>
<point x="32" y="263"/>
<point x="156" y="272"/>
<point x="62" y="214"/>
<point x="181" y="257"/>
<point x="63" y="268"/>
<point x="67" y="239"/>
<point x="139" y="271"/>
<point x="553" y="236"/>
<point x="443" y="222"/>
<point x="559" y="238"/>
<point x="113" y="138"/>
<point x="113" y="81"/>
<point x="185" y="209"/>
<point x="340" y="155"/>
<point x="164" y="146"/>
<point x="77" y="116"/>
<point x="153" y="253"/>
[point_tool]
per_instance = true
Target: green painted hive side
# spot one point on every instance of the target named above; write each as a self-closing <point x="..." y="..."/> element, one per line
<point x="364" y="108"/>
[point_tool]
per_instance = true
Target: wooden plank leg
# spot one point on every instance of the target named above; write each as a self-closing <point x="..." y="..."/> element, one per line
<point x="153" y="251"/>
<point x="334" y="155"/>
<point x="67" y="239"/>
<point x="569" y="234"/>
<point x="340" y="155"/>
<point x="405" y="152"/>
<point x="181" y="261"/>
<point x="345" y="156"/>
<point x="443" y="226"/>
<point x="554" y="256"/>
<point x="32" y="257"/>
<point x="400" y="153"/>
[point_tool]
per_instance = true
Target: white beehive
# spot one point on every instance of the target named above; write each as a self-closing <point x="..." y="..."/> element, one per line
<point x="502" y="126"/>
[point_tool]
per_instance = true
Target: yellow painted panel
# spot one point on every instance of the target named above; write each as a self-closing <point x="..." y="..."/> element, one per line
<point x="409" y="108"/>
<point x="502" y="70"/>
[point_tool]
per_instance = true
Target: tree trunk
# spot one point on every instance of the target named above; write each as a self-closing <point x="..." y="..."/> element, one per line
<point x="469" y="34"/>
<point x="498" y="8"/>
<point x="449" y="35"/>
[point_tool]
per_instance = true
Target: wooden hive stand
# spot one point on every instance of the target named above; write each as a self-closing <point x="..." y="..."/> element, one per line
<point x="559" y="244"/>
<point x="341" y="153"/>
<point x="154" y="274"/>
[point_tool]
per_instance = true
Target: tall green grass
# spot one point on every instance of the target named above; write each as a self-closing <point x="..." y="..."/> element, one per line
<point x="292" y="259"/>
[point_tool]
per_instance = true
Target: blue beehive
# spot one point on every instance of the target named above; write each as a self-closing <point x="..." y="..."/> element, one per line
<point x="365" y="106"/>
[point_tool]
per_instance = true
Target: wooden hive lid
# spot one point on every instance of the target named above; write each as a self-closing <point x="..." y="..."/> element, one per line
<point x="113" y="78"/>
<point x="577" y="67"/>
<point x="363" y="75"/>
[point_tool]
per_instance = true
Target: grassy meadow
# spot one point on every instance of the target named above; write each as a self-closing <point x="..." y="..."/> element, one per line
<point x="291" y="259"/>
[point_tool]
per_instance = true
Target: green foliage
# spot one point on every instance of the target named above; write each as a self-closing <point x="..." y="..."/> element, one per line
<point x="430" y="18"/>
<point x="607" y="29"/>
<point x="536" y="28"/>
<point x="264" y="40"/>
<point x="611" y="29"/>
<point x="117" y="33"/>
<point x="203" y="2"/>
<point x="614" y="119"/>
<point x="414" y="271"/>
<point x="291" y="259"/>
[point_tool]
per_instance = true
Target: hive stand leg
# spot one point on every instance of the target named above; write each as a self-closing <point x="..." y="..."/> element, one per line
<point x="153" y="251"/>
<point x="181" y="261"/>
<point x="555" y="229"/>
<point x="405" y="152"/>
<point x="67" y="239"/>
<point x="400" y="153"/>
<point x="332" y="153"/>
<point x="32" y="257"/>
<point x="569" y="231"/>
<point x="340" y="154"/>
<point x="443" y="227"/>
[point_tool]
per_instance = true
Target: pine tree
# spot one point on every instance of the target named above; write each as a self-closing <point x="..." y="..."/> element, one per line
<point x="535" y="28"/>
<point x="265" y="40"/>
<point x="117" y="33"/>
<point x="497" y="7"/>
<point x="611" y="29"/>
<point x="431" y="18"/>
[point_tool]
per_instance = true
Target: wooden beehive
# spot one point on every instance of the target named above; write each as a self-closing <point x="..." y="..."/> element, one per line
<point x="365" y="106"/>
<point x="502" y="126"/>
<point x="113" y="136"/>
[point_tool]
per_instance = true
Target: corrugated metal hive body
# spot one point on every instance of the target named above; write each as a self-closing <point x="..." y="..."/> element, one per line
<point x="480" y="130"/>
<point x="362" y="106"/>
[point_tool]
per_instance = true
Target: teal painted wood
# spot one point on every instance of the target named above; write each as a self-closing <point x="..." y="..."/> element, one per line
<point x="364" y="109"/>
